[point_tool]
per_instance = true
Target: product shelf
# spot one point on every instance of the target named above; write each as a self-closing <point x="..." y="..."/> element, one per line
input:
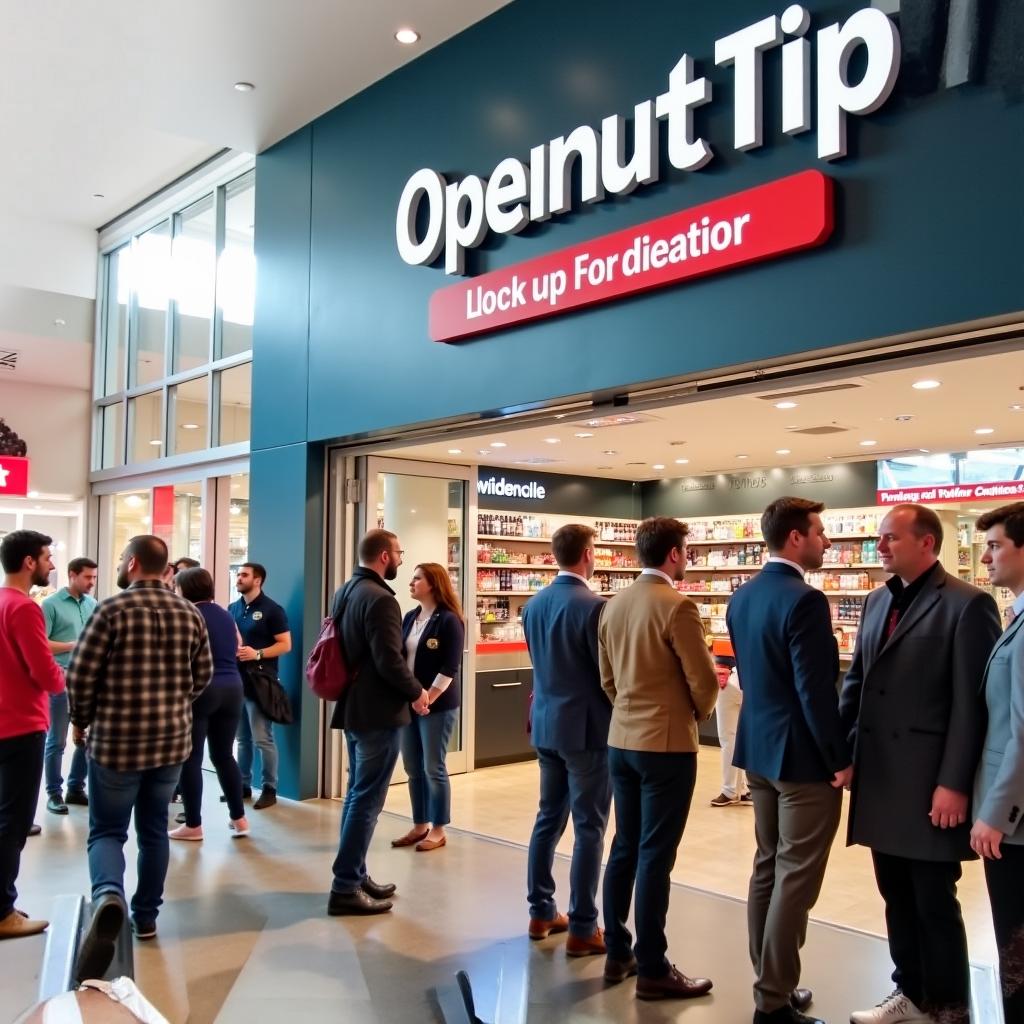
<point x="826" y="567"/>
<point x="554" y="568"/>
<point x="833" y="538"/>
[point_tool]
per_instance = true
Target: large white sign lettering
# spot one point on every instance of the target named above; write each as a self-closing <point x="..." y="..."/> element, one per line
<point x="506" y="489"/>
<point x="459" y="214"/>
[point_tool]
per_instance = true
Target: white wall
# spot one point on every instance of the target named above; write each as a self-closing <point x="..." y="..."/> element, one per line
<point x="47" y="255"/>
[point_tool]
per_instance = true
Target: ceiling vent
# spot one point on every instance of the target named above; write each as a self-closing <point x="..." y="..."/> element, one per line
<point x="619" y="419"/>
<point x="827" y="428"/>
<point x="823" y="389"/>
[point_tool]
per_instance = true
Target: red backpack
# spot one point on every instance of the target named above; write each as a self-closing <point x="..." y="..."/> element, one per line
<point x="327" y="672"/>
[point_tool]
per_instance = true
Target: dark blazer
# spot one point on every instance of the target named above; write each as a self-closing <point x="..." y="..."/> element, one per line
<point x="916" y="713"/>
<point x="570" y="711"/>
<point x="440" y="650"/>
<point x="371" y="637"/>
<point x="788" y="663"/>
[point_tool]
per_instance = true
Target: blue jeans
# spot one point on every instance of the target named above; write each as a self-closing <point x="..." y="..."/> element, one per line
<point x="652" y="801"/>
<point x="56" y="741"/>
<point x="576" y="782"/>
<point x="424" y="746"/>
<point x="21" y="768"/>
<point x="255" y="727"/>
<point x="113" y="795"/>
<point x="371" y="762"/>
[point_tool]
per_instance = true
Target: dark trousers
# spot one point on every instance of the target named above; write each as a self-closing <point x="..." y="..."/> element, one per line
<point x="21" y="771"/>
<point x="652" y="794"/>
<point x="927" y="942"/>
<point x="1005" y="880"/>
<point x="215" y="716"/>
<point x="575" y="781"/>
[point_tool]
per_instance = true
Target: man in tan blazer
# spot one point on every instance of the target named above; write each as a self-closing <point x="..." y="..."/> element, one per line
<point x="658" y="674"/>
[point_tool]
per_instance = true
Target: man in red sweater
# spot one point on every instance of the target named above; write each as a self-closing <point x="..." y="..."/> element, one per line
<point x="28" y="675"/>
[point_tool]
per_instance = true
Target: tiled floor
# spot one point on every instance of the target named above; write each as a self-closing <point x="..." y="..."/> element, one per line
<point x="243" y="936"/>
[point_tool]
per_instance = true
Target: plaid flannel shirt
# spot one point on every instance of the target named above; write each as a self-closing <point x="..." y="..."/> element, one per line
<point x="141" y="660"/>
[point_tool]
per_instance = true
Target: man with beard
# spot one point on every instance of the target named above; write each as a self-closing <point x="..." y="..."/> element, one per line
<point x="142" y="659"/>
<point x="263" y="627"/>
<point x="372" y="712"/>
<point x="28" y="675"/>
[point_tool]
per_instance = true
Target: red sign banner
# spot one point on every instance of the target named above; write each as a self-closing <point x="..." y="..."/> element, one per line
<point x="1003" y="490"/>
<point x="13" y="476"/>
<point x="761" y="223"/>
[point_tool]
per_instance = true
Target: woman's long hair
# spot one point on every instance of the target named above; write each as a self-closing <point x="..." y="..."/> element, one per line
<point x="440" y="584"/>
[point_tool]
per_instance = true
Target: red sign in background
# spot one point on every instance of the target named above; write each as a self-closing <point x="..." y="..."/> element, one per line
<point x="999" y="490"/>
<point x="781" y="217"/>
<point x="13" y="476"/>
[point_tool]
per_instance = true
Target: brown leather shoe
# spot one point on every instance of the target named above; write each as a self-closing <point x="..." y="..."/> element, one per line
<point x="408" y="840"/>
<point x="426" y="845"/>
<point x="674" y="985"/>
<point x="585" y="945"/>
<point x="800" y="999"/>
<point x="616" y="971"/>
<point x="542" y="929"/>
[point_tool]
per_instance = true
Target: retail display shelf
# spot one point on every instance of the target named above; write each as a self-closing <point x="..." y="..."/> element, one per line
<point x="729" y="593"/>
<point x="826" y="567"/>
<point x="518" y="540"/>
<point x="833" y="538"/>
<point x="554" y="568"/>
<point x="500" y="646"/>
<point x="845" y="622"/>
<point x="507" y="593"/>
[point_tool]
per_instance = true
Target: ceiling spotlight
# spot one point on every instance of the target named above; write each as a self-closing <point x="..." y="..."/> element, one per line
<point x="244" y="87"/>
<point x="785" y="405"/>
<point x="156" y="443"/>
<point x="658" y="465"/>
<point x="609" y="451"/>
<point x="742" y="456"/>
<point x="407" y="36"/>
<point x="498" y="444"/>
<point x="781" y="451"/>
<point x="905" y="418"/>
<point x="925" y="451"/>
<point x="60" y="322"/>
<point x="133" y="500"/>
<point x="682" y="462"/>
<point x="552" y="440"/>
<point x="483" y="451"/>
<point x="985" y="430"/>
<point x="868" y="444"/>
<point x="926" y="385"/>
<point x="190" y="426"/>
<point x="584" y="433"/>
<point x="454" y="451"/>
<point x="1016" y="408"/>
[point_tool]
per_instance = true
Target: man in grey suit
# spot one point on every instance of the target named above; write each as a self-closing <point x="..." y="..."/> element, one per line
<point x="999" y="786"/>
<point x="912" y="703"/>
<point x="570" y="718"/>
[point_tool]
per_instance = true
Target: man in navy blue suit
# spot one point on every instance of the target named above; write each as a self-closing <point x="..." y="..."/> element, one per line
<point x="793" y="746"/>
<point x="570" y="731"/>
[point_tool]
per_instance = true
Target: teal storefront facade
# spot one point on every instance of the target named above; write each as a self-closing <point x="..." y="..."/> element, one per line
<point x="928" y="223"/>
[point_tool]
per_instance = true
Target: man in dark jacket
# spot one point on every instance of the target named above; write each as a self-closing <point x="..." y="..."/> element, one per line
<point x="372" y="711"/>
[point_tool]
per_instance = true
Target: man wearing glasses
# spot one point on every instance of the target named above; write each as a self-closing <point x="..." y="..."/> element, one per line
<point x="372" y="711"/>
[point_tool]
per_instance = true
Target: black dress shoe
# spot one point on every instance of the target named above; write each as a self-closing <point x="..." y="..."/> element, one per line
<point x="77" y="797"/>
<point x="96" y="951"/>
<point x="674" y="985"/>
<point x="377" y="890"/>
<point x="784" y="1015"/>
<point x="246" y="794"/>
<point x="268" y="797"/>
<point x="358" y="902"/>
<point x="801" y="998"/>
<point x="34" y="829"/>
<point x="56" y="805"/>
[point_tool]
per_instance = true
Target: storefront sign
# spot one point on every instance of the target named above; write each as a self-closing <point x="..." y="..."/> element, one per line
<point x="1007" y="490"/>
<point x="13" y="476"/>
<point x="529" y="489"/>
<point x="458" y="215"/>
<point x="784" y="216"/>
<point x="509" y="490"/>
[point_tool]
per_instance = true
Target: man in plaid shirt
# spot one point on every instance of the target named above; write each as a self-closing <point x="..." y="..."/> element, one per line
<point x="142" y="659"/>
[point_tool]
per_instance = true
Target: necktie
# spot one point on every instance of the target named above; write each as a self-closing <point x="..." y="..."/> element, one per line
<point x="892" y="622"/>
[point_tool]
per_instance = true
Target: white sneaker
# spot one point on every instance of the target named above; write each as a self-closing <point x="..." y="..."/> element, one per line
<point x="894" y="1009"/>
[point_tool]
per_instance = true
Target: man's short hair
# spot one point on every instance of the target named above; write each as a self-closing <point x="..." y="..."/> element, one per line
<point x="374" y="544"/>
<point x="149" y="551"/>
<point x="783" y="516"/>
<point x="19" y="545"/>
<point x="570" y="541"/>
<point x="656" y="537"/>
<point x="195" y="584"/>
<point x="259" y="571"/>
<point x="1010" y="517"/>
<point x="185" y="563"/>
<point x="78" y="565"/>
<point x="926" y="522"/>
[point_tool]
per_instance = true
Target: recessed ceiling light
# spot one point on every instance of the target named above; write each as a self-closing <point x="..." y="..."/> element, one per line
<point x="407" y="36"/>
<point x="454" y="451"/>
<point x="1016" y="408"/>
<point x="552" y="440"/>
<point x="60" y="322"/>
<point x="98" y="195"/>
<point x="904" y="418"/>
<point x="925" y="451"/>
<point x="498" y="444"/>
<point x="156" y="442"/>
<point x="682" y="462"/>
<point x="190" y="426"/>
<point x="483" y="451"/>
<point x="868" y="444"/>
<point x="985" y="430"/>
<point x="657" y="465"/>
<point x="785" y="405"/>
<point x="609" y="451"/>
<point x="782" y="451"/>
<point x="742" y="456"/>
<point x="584" y="433"/>
<point x="244" y="87"/>
<point x="926" y="385"/>
<point x="133" y="500"/>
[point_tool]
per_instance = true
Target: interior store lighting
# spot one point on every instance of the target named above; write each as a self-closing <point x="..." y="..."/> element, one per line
<point x="785" y="405"/>
<point x="926" y="385"/>
<point x="407" y="36"/>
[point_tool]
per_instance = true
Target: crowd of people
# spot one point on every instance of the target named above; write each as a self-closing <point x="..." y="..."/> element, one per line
<point x="929" y="715"/>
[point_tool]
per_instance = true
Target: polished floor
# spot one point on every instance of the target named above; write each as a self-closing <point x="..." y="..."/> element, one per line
<point x="243" y="934"/>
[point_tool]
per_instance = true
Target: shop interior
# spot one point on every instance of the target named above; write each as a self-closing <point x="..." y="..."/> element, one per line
<point x="922" y="421"/>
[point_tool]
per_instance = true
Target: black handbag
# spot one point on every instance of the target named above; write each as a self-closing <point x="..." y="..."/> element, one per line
<point x="263" y="686"/>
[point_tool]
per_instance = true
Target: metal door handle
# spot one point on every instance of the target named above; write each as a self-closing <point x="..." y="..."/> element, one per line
<point x="502" y="686"/>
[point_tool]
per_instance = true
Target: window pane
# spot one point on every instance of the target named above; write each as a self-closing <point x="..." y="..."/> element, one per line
<point x="178" y="518"/>
<point x="238" y="526"/>
<point x="145" y="427"/>
<point x="112" y="453"/>
<point x="115" y="330"/>
<point x="235" y="403"/>
<point x="131" y="517"/>
<point x="189" y="413"/>
<point x="236" y="269"/>
<point x="151" y="278"/>
<point x="192" y="278"/>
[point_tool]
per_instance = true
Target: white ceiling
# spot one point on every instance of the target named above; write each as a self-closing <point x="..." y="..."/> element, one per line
<point x="976" y="392"/>
<point x="118" y="97"/>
